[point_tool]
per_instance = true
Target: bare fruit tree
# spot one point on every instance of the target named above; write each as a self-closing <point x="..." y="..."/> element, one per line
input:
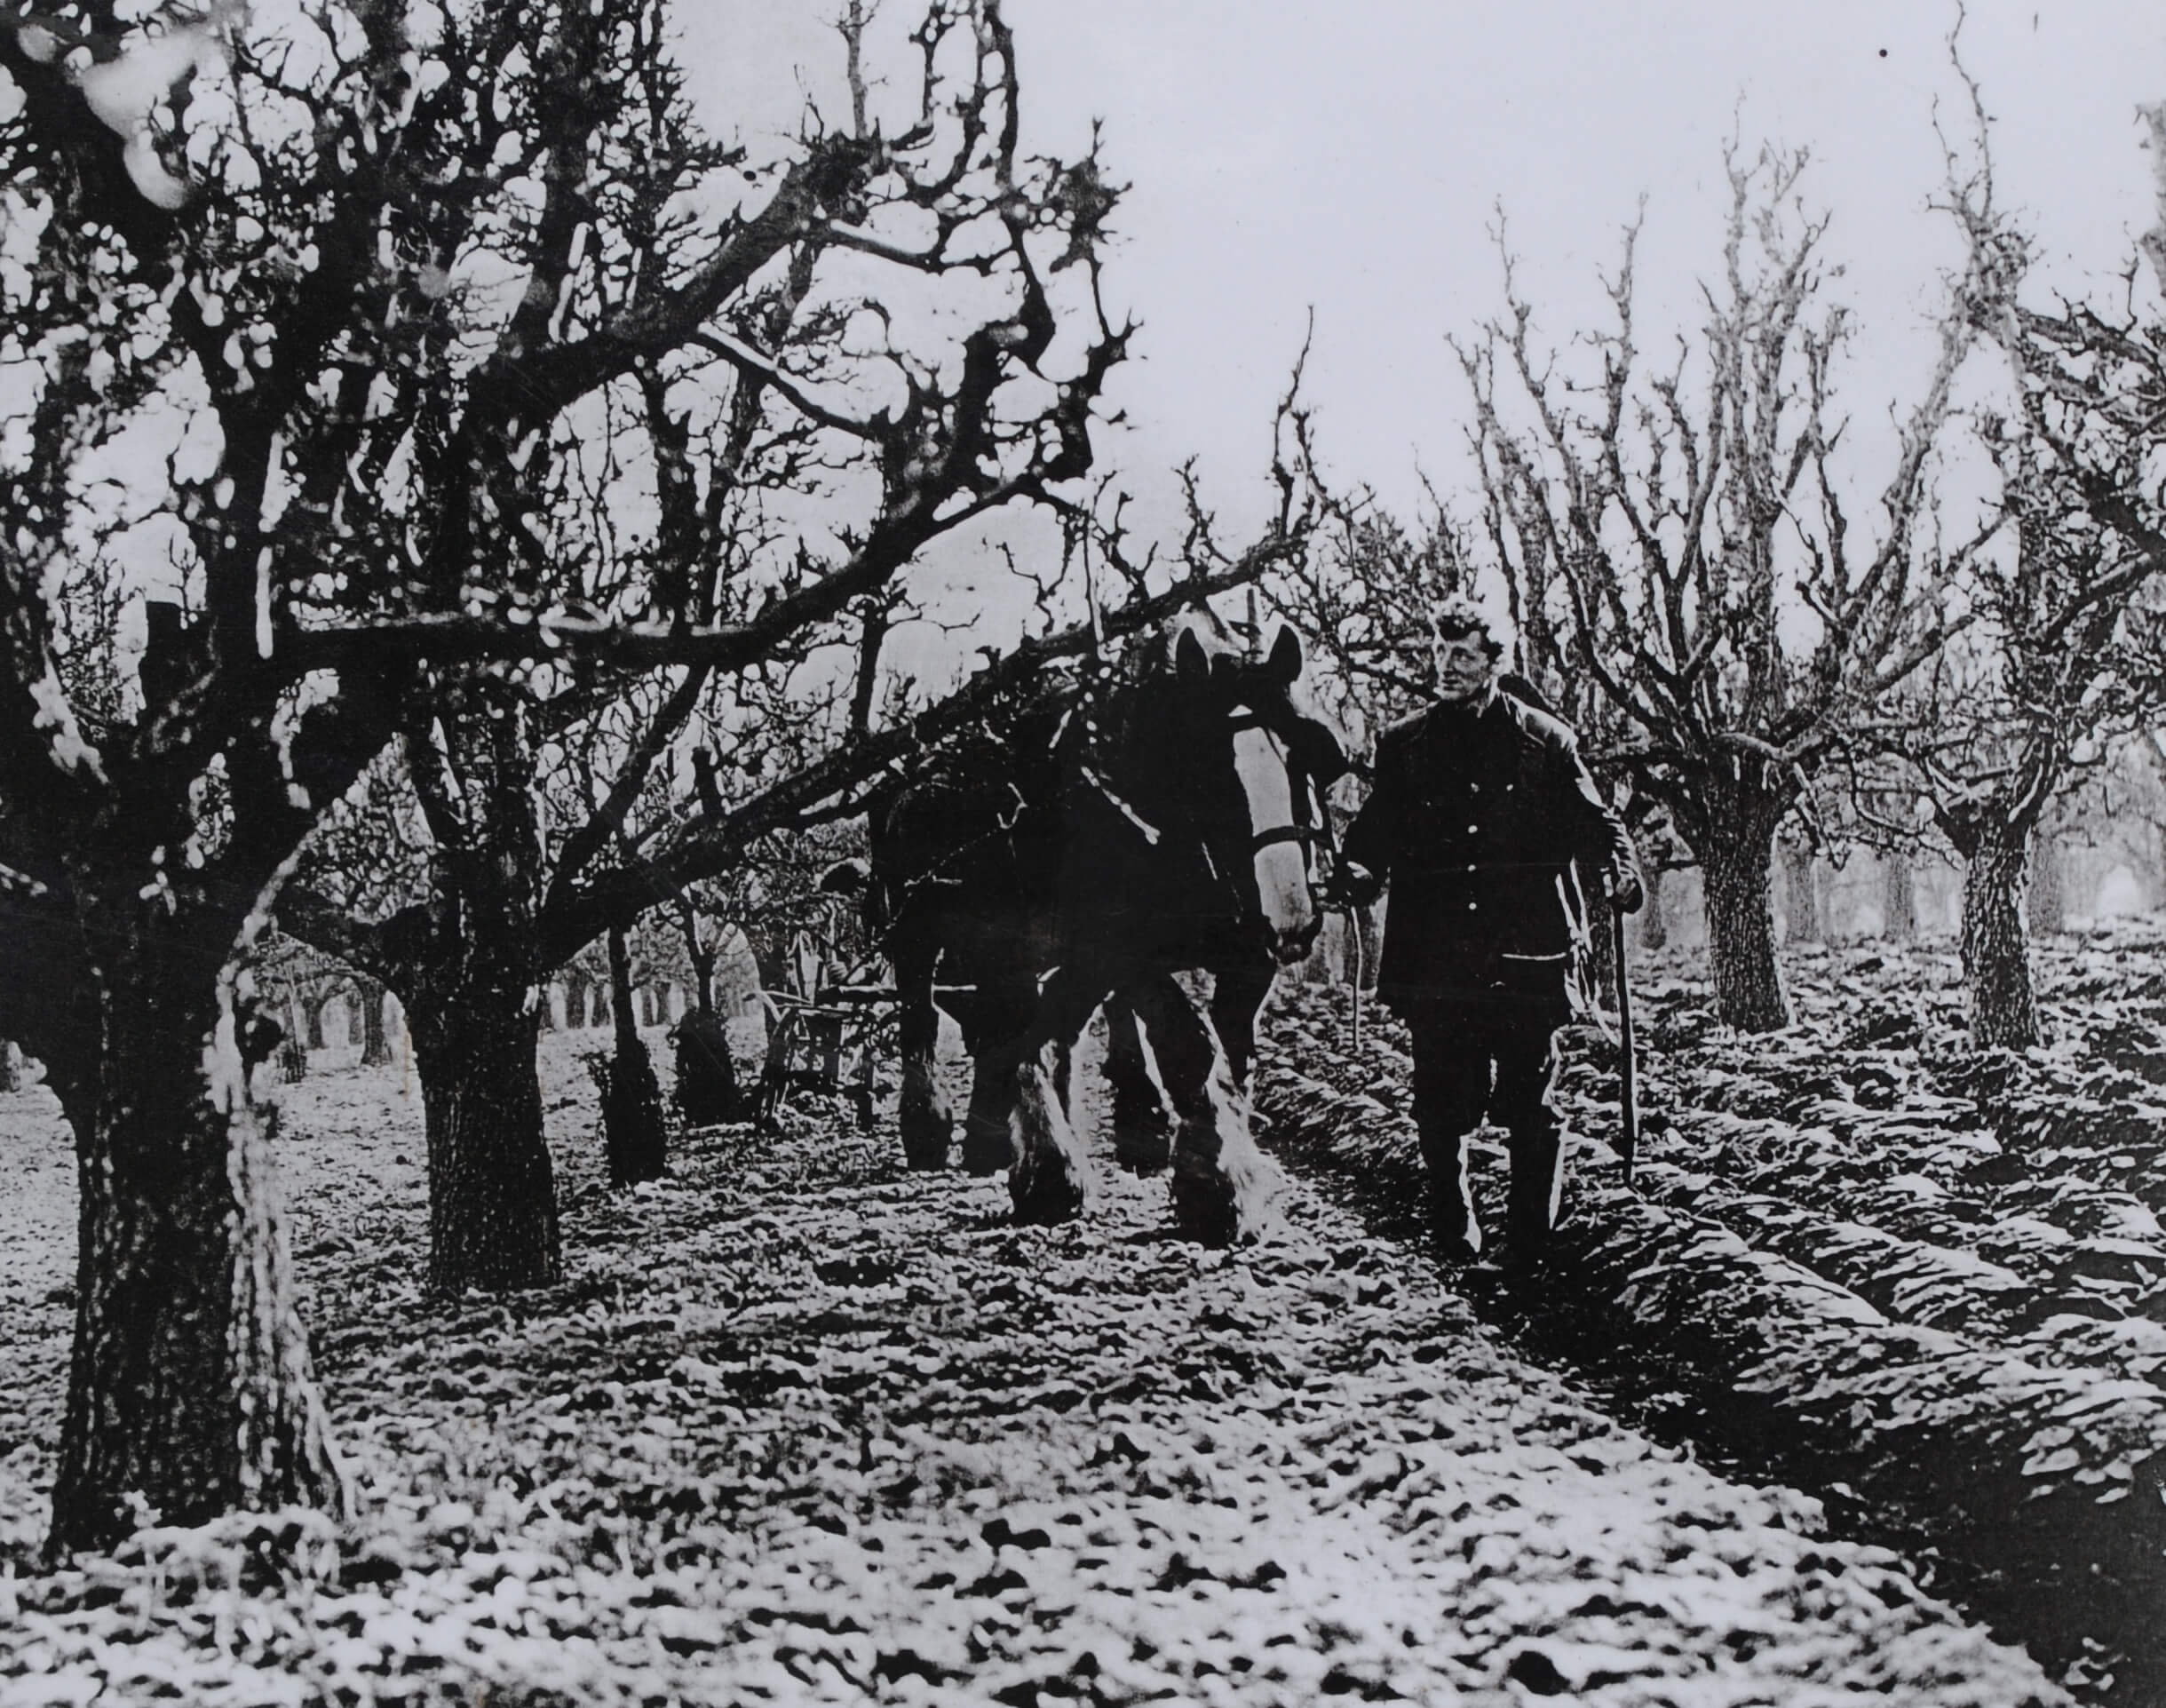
<point x="2040" y="689"/>
<point x="387" y="314"/>
<point x="1734" y="623"/>
<point x="2076" y="653"/>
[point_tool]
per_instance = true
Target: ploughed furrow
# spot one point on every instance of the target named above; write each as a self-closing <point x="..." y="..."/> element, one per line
<point x="2025" y="1167"/>
<point x="1937" y="1396"/>
<point x="1932" y="1286"/>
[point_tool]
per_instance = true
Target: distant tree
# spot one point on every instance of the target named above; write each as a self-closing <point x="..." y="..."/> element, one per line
<point x="632" y="1130"/>
<point x="2064" y="658"/>
<point x="1686" y="517"/>
<point x="740" y="434"/>
<point x="2039" y="689"/>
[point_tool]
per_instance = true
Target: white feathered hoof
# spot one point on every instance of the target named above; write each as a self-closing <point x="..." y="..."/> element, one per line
<point x="1224" y="1194"/>
<point x="1048" y="1192"/>
<point x="1049" y="1179"/>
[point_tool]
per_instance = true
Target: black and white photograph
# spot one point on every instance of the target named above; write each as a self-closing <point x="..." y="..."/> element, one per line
<point x="998" y="853"/>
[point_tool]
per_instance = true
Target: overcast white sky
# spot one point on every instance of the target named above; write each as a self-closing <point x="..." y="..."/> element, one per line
<point x="1347" y="158"/>
<point x="1289" y="156"/>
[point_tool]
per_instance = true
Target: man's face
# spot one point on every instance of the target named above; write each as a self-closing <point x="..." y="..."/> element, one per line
<point x="1464" y="669"/>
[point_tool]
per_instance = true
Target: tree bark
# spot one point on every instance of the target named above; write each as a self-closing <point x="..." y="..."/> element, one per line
<point x="2048" y="902"/>
<point x="11" y="1067"/>
<point x="1898" y="905"/>
<point x="707" y="1089"/>
<point x="1996" y="963"/>
<point x="376" y="1043"/>
<point x="1736" y="867"/>
<point x="189" y="1389"/>
<point x="1655" y="915"/>
<point x="701" y="955"/>
<point x="492" y="1189"/>
<point x="632" y="1097"/>
<point x="293" y="1047"/>
<point x="312" y="1018"/>
<point x="1801" y="895"/>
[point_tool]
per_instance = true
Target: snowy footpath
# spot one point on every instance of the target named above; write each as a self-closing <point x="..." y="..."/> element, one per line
<point x="801" y="1428"/>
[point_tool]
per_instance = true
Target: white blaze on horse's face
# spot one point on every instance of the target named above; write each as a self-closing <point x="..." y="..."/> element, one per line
<point x="1276" y="824"/>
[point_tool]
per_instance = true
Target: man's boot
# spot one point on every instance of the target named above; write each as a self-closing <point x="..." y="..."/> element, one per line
<point x="1537" y="1193"/>
<point x="1454" y="1229"/>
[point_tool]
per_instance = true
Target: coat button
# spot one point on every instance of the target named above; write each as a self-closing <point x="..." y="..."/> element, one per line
<point x="1471" y="828"/>
<point x="1472" y="906"/>
<point x="1470" y="868"/>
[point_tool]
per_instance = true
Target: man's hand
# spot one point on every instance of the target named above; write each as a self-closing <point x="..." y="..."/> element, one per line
<point x="1625" y="893"/>
<point x="1348" y="886"/>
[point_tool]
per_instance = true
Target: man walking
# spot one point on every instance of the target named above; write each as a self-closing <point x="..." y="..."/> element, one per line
<point x="1480" y="808"/>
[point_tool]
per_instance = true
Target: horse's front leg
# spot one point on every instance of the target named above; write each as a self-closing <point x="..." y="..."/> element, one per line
<point x="1224" y="1188"/>
<point x="995" y="1020"/>
<point x="1050" y="1176"/>
<point x="1142" y="1135"/>
<point x="1238" y="991"/>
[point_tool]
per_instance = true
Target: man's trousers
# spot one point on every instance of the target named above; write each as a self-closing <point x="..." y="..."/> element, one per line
<point x="1496" y="1059"/>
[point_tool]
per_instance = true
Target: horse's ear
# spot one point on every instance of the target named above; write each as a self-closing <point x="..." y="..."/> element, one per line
<point x="1284" y="665"/>
<point x="1189" y="658"/>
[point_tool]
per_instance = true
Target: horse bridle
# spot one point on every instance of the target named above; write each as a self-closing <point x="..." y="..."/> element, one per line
<point x="1311" y="825"/>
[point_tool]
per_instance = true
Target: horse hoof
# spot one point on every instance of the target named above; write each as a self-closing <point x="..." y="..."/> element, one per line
<point x="1047" y="1197"/>
<point x="1142" y="1149"/>
<point x="1213" y="1211"/>
<point x="925" y="1135"/>
<point x="1204" y="1213"/>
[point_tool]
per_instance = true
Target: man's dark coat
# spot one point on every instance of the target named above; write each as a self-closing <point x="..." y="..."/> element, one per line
<point x="1475" y="818"/>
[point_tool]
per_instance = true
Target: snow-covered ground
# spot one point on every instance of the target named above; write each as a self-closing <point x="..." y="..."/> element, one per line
<point x="802" y="1428"/>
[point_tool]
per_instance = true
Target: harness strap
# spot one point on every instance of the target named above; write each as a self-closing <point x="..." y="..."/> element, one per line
<point x="1151" y="833"/>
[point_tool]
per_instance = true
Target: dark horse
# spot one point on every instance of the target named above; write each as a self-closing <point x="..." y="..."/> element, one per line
<point x="1100" y="836"/>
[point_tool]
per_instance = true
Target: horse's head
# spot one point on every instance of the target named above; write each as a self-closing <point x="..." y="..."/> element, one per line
<point x="1285" y="754"/>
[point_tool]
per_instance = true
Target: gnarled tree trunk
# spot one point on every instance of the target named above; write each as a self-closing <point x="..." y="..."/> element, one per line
<point x="376" y="1043"/>
<point x="2048" y="905"/>
<point x="631" y="1095"/>
<point x="1729" y="822"/>
<point x="472" y="982"/>
<point x="1654" y="913"/>
<point x="492" y="1189"/>
<point x="1899" y="898"/>
<point x="1801" y="895"/>
<point x="190" y="1387"/>
<point x="1740" y="930"/>
<point x="1996" y="962"/>
<point x="701" y="954"/>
